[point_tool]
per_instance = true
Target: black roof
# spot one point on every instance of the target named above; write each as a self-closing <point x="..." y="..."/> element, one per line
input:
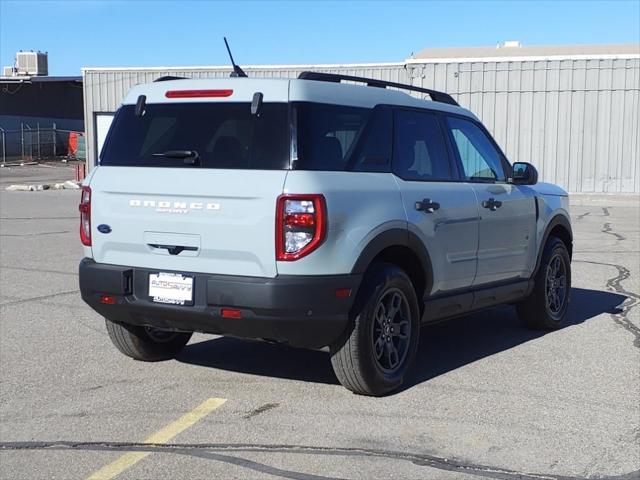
<point x="39" y="79"/>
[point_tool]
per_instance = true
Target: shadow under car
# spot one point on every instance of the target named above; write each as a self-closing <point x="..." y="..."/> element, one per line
<point x="443" y="347"/>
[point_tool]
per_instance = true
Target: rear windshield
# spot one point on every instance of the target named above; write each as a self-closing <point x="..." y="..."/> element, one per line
<point x="223" y="135"/>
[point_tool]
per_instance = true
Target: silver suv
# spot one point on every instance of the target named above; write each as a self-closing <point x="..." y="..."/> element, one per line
<point x="314" y="213"/>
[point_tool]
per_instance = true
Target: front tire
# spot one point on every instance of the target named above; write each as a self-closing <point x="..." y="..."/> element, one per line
<point x="374" y="353"/>
<point x="146" y="344"/>
<point x="547" y="306"/>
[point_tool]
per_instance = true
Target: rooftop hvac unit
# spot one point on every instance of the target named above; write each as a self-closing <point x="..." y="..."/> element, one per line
<point x="32" y="63"/>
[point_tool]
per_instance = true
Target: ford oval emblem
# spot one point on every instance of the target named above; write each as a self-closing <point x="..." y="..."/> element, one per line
<point x="104" y="228"/>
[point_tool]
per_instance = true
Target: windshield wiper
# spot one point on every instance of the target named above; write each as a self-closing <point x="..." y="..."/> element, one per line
<point x="190" y="157"/>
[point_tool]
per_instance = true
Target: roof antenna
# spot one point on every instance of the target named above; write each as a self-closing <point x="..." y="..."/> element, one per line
<point x="237" y="71"/>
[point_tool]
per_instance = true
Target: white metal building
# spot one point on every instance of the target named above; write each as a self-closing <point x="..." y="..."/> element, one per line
<point x="573" y="111"/>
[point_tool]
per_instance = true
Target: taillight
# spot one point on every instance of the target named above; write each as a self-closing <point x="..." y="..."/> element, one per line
<point x="300" y="225"/>
<point x="85" y="216"/>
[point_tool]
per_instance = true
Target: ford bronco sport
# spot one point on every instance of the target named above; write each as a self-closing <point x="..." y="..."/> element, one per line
<point x="314" y="213"/>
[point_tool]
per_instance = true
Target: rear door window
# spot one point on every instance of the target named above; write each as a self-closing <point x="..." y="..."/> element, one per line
<point x="419" y="150"/>
<point x="224" y="135"/>
<point x="373" y="152"/>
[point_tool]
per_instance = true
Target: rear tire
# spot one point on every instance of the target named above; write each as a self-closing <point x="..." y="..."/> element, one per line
<point x="145" y="343"/>
<point x="376" y="350"/>
<point x="547" y="306"/>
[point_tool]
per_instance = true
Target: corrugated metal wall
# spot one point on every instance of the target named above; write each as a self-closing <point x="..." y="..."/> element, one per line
<point x="576" y="120"/>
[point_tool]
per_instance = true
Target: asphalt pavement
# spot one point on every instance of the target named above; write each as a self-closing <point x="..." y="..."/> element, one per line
<point x="486" y="398"/>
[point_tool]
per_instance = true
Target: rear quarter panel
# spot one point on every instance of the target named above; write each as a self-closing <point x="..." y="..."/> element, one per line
<point x="360" y="205"/>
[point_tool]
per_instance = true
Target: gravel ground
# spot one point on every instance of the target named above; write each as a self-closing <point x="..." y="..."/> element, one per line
<point x="44" y="173"/>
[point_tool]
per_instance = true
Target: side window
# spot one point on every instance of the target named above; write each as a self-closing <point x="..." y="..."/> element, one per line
<point x="480" y="159"/>
<point x="374" y="151"/>
<point x="326" y="135"/>
<point x="419" y="151"/>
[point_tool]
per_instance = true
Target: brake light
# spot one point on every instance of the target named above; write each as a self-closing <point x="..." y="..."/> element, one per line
<point x="85" y="216"/>
<point x="198" y="93"/>
<point x="300" y="225"/>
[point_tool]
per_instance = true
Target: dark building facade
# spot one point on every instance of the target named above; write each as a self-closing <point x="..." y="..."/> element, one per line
<point x="37" y="115"/>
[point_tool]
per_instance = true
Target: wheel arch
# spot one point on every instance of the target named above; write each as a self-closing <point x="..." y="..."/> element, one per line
<point x="559" y="226"/>
<point x="404" y="249"/>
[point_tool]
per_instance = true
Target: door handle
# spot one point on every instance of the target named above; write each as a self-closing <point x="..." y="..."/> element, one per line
<point x="492" y="204"/>
<point x="427" y="205"/>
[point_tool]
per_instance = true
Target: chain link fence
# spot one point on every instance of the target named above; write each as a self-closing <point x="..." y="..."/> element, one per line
<point x="33" y="144"/>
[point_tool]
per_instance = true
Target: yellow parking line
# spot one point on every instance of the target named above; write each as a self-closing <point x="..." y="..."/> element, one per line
<point x="128" y="460"/>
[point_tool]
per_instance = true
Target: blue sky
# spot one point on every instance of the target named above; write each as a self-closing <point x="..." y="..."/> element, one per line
<point x="151" y="33"/>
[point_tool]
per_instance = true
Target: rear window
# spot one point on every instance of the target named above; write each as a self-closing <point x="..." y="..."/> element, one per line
<point x="224" y="135"/>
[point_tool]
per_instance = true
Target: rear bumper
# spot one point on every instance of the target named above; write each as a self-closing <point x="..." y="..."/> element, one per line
<point x="299" y="310"/>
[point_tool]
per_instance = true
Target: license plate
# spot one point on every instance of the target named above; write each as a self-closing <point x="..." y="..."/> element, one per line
<point x="172" y="288"/>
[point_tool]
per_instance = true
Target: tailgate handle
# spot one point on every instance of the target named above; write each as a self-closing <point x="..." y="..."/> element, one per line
<point x="173" y="249"/>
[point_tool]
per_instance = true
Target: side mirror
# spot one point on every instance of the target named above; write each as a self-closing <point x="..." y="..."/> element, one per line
<point x="524" y="174"/>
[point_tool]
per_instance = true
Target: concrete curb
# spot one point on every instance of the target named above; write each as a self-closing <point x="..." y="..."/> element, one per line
<point x="68" y="185"/>
<point x="19" y="164"/>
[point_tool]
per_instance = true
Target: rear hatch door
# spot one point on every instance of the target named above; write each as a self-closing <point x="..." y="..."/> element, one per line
<point x="192" y="185"/>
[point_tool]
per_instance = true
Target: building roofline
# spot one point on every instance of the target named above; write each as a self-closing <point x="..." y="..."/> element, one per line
<point x="515" y="51"/>
<point x="39" y="79"/>
<point x="523" y="58"/>
<point x="525" y="53"/>
<point x="409" y="61"/>
<point x="244" y="67"/>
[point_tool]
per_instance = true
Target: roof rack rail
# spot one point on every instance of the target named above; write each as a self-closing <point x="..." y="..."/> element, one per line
<point x="371" y="82"/>
<point x="166" y="78"/>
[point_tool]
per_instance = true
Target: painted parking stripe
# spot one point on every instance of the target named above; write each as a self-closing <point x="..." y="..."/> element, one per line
<point x="128" y="460"/>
